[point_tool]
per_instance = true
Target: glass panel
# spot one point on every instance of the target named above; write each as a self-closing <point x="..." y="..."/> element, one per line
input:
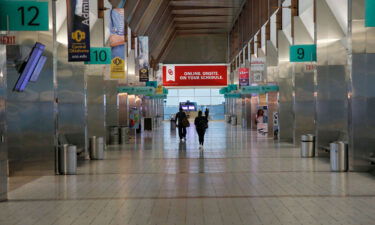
<point x="203" y="100"/>
<point x="186" y="92"/>
<point x="216" y="92"/>
<point x="173" y="92"/>
<point x="202" y="92"/>
<point x="217" y="100"/>
<point x="186" y="98"/>
<point x="172" y="101"/>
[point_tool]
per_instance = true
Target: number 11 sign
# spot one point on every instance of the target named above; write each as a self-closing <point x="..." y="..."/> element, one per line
<point x="303" y="53"/>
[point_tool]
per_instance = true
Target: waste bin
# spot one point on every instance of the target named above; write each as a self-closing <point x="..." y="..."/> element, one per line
<point x="114" y="136"/>
<point x="68" y="159"/>
<point x="233" y="120"/>
<point x="173" y="124"/>
<point x="339" y="156"/>
<point x="124" y="135"/>
<point x="96" y="148"/>
<point x="307" y="146"/>
<point x="227" y="118"/>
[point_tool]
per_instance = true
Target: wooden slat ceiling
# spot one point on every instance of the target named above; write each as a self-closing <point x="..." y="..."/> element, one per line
<point x="163" y="20"/>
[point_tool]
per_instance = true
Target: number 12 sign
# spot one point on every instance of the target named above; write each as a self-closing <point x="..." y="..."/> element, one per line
<point x="24" y="16"/>
<point x="303" y="53"/>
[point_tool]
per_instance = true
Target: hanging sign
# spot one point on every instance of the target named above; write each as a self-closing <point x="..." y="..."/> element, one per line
<point x="78" y="30"/>
<point x="24" y="16"/>
<point x="303" y="53"/>
<point x="244" y="76"/>
<point x="117" y="43"/>
<point x="195" y="75"/>
<point x="100" y="56"/>
<point x="137" y="90"/>
<point x="257" y="64"/>
<point x="369" y="13"/>
<point x="143" y="75"/>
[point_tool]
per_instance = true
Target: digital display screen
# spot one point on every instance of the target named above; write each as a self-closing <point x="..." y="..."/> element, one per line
<point x="28" y="72"/>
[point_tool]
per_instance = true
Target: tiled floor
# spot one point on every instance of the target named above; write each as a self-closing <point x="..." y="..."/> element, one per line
<point x="239" y="179"/>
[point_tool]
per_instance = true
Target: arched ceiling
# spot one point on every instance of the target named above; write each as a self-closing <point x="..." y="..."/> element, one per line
<point x="164" y="20"/>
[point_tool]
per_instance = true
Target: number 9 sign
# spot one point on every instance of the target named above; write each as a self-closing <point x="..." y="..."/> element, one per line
<point x="303" y="53"/>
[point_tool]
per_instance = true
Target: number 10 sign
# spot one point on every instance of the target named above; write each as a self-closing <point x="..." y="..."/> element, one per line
<point x="303" y="53"/>
<point x="100" y="56"/>
<point x="23" y="16"/>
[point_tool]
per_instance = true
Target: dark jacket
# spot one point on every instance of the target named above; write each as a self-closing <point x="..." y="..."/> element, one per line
<point x="207" y="113"/>
<point x="201" y="123"/>
<point x="179" y="117"/>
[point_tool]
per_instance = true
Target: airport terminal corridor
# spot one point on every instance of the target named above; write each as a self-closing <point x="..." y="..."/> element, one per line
<point x="239" y="178"/>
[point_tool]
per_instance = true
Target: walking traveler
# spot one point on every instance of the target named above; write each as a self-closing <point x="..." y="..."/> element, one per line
<point x="201" y="124"/>
<point x="182" y="123"/>
<point x="207" y="113"/>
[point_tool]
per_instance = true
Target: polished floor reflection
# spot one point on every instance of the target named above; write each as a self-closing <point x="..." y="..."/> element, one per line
<point x="238" y="179"/>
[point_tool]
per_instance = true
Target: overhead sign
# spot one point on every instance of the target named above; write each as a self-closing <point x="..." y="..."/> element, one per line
<point x="257" y="64"/>
<point x="78" y="30"/>
<point x="100" y="56"/>
<point x="24" y="16"/>
<point x="195" y="75"/>
<point x="303" y="53"/>
<point x="369" y="13"/>
<point x="137" y="90"/>
<point x="117" y="43"/>
<point x="244" y="74"/>
<point x="143" y="75"/>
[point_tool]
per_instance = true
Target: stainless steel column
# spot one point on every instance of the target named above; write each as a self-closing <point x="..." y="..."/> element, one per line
<point x="3" y="147"/>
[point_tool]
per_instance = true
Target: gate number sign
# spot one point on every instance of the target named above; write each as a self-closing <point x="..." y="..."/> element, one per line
<point x="24" y="16"/>
<point x="100" y="56"/>
<point x="303" y="53"/>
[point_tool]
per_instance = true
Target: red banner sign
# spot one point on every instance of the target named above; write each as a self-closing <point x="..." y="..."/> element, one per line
<point x="195" y="75"/>
<point x="244" y="76"/>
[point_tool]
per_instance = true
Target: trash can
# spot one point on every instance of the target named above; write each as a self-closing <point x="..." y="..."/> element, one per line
<point x="233" y="120"/>
<point x="339" y="156"/>
<point x="227" y="118"/>
<point x="114" y="136"/>
<point x="124" y="135"/>
<point x="307" y="146"/>
<point x="68" y="159"/>
<point x="96" y="148"/>
<point x="173" y="124"/>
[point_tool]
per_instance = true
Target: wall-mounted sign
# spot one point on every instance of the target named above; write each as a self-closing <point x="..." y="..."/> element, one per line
<point x="100" y="56"/>
<point x="244" y="74"/>
<point x="369" y="13"/>
<point x="257" y="76"/>
<point x="143" y="75"/>
<point x="303" y="53"/>
<point x="258" y="64"/>
<point x="24" y="16"/>
<point x="195" y="75"/>
<point x="310" y="68"/>
<point x="78" y="30"/>
<point x="8" y="40"/>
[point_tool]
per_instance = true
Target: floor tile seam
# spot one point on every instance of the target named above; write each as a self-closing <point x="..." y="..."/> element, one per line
<point x="191" y="158"/>
<point x="190" y="197"/>
<point x="208" y="173"/>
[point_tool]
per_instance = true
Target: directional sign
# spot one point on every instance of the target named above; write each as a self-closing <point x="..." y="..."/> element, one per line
<point x="369" y="13"/>
<point x="137" y="90"/>
<point x="303" y="53"/>
<point x="24" y="16"/>
<point x="100" y="56"/>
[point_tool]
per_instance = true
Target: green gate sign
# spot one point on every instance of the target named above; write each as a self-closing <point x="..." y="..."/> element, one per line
<point x="100" y="56"/>
<point x="369" y="13"/>
<point x="137" y="90"/>
<point x="303" y="53"/>
<point x="24" y="16"/>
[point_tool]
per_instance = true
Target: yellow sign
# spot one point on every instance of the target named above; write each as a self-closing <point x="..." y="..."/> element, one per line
<point x="117" y="68"/>
<point x="159" y="90"/>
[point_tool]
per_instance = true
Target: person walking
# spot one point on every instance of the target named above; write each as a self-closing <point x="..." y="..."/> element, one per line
<point x="201" y="124"/>
<point x="207" y="113"/>
<point x="182" y="123"/>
